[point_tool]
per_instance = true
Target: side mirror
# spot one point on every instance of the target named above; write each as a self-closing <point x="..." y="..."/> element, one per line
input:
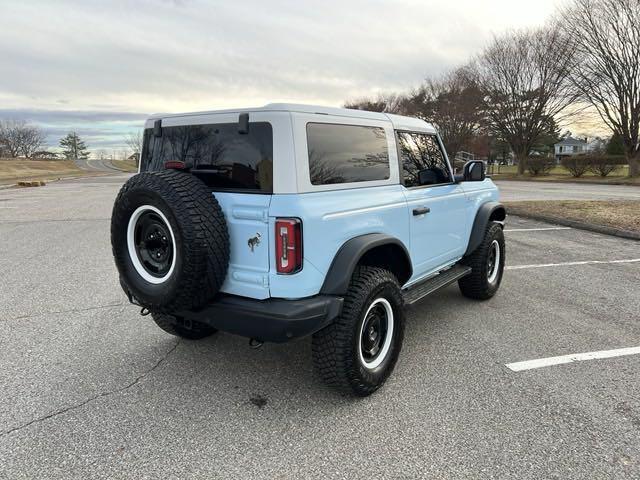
<point x="473" y="171"/>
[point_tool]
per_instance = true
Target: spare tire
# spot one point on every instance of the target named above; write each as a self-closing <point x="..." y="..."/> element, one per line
<point x="170" y="241"/>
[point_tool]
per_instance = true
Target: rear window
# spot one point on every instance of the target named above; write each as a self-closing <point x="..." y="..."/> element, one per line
<point x="346" y="153"/>
<point x="216" y="153"/>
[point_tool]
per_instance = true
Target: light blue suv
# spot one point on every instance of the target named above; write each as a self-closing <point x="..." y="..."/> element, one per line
<point x="288" y="220"/>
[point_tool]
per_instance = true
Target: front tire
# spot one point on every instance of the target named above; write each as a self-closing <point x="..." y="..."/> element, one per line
<point x="358" y="352"/>
<point x="487" y="266"/>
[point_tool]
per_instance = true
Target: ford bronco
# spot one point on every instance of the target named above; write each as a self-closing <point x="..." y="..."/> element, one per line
<point x="286" y="221"/>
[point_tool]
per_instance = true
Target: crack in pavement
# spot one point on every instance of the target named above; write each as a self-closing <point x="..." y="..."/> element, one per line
<point x="95" y="397"/>
<point x="26" y="222"/>
<point x="72" y="310"/>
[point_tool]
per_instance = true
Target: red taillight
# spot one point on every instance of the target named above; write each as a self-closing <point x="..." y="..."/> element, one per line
<point x="288" y="245"/>
<point x="174" y="165"/>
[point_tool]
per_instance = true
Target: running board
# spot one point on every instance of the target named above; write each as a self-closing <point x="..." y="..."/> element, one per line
<point x="427" y="287"/>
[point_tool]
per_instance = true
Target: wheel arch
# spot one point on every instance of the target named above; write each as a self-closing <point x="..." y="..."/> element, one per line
<point x="373" y="249"/>
<point x="488" y="212"/>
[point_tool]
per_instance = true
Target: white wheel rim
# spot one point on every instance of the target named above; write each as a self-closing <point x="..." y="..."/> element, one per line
<point x="495" y="250"/>
<point x="384" y="351"/>
<point x="131" y="245"/>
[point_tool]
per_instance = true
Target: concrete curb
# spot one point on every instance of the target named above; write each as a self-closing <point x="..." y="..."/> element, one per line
<point x="497" y="178"/>
<point x="616" y="232"/>
<point x="57" y="179"/>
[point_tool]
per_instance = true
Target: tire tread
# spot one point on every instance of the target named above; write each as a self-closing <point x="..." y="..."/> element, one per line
<point x="475" y="285"/>
<point x="333" y="348"/>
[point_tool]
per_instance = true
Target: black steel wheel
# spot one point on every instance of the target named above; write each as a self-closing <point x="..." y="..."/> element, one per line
<point x="376" y="332"/>
<point x="153" y="242"/>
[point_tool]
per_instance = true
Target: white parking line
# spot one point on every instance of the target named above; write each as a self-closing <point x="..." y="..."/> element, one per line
<point x="574" y="357"/>
<point x="565" y="264"/>
<point x="536" y="229"/>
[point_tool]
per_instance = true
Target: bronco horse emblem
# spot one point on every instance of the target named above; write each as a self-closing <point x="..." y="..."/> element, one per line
<point x="254" y="242"/>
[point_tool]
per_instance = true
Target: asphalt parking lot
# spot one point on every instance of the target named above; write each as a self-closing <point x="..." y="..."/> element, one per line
<point x="90" y="389"/>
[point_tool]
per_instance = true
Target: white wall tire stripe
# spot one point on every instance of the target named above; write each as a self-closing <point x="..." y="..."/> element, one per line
<point x="493" y="274"/>
<point x="386" y="347"/>
<point x="131" y="245"/>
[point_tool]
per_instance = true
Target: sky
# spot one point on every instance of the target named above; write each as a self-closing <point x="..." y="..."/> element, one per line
<point x="100" y="68"/>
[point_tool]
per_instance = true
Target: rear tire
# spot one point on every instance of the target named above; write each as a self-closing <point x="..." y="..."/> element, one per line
<point x="487" y="266"/>
<point x="358" y="352"/>
<point x="180" y="328"/>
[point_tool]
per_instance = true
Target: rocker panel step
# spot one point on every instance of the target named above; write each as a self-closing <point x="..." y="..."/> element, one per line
<point x="447" y="277"/>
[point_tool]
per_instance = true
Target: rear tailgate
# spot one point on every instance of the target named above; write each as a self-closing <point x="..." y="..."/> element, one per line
<point x="248" y="223"/>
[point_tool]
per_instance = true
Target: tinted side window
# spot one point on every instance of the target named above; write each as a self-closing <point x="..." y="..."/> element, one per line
<point x="216" y="153"/>
<point x="423" y="162"/>
<point x="346" y="153"/>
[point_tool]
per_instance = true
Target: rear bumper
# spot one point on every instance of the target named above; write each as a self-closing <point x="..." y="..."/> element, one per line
<point x="273" y="320"/>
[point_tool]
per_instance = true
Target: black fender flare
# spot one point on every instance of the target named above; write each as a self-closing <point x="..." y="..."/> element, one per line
<point x="488" y="211"/>
<point x="336" y="282"/>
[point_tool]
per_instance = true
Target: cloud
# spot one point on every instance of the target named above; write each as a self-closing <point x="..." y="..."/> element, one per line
<point x="185" y="55"/>
<point x="71" y="116"/>
<point x="99" y="129"/>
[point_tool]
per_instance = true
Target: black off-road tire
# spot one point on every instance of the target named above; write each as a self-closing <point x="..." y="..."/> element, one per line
<point x="336" y="349"/>
<point x="201" y="246"/>
<point x="477" y="284"/>
<point x="180" y="328"/>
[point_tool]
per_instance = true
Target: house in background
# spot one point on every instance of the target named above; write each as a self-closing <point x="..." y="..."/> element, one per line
<point x="569" y="146"/>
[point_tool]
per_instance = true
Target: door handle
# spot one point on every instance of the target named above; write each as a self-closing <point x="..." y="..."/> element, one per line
<point x="421" y="211"/>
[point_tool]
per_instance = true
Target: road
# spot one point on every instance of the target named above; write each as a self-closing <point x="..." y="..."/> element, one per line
<point x="522" y="190"/>
<point x="90" y="389"/>
<point x="98" y="165"/>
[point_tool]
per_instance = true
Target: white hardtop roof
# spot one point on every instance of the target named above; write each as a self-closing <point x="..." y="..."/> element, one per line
<point x="399" y="122"/>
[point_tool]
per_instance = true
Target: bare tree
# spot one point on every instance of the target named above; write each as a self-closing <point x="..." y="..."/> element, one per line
<point x="453" y="104"/>
<point x="8" y="138"/>
<point x="388" y="103"/>
<point x="133" y="141"/>
<point x="20" y="138"/>
<point x="524" y="79"/>
<point x="606" y="34"/>
<point x="31" y="139"/>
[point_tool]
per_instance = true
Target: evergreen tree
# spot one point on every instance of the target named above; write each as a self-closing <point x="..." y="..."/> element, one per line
<point x="615" y="145"/>
<point x="73" y="147"/>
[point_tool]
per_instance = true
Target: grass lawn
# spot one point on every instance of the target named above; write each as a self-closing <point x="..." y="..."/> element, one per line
<point x="621" y="214"/>
<point x="559" y="174"/>
<point x="125" y="165"/>
<point x="13" y="170"/>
